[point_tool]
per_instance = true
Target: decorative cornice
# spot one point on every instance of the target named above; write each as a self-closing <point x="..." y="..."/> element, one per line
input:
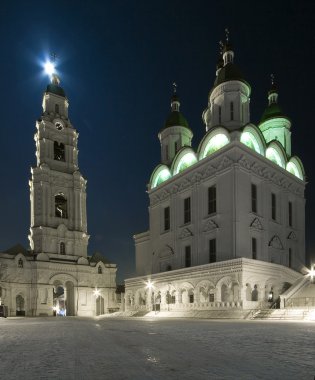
<point x="220" y="163"/>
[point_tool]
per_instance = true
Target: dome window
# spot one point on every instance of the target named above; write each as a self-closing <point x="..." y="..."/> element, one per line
<point x="187" y="160"/>
<point x="215" y="143"/>
<point x="273" y="155"/>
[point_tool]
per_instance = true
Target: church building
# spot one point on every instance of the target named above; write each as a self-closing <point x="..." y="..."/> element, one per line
<point x="226" y="221"/>
<point x="56" y="276"/>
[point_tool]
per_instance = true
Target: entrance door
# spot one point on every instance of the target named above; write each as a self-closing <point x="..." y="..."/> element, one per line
<point x="100" y="309"/>
<point x="20" y="306"/>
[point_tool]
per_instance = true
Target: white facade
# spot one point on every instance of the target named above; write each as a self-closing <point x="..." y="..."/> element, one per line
<point x="56" y="274"/>
<point x="239" y="197"/>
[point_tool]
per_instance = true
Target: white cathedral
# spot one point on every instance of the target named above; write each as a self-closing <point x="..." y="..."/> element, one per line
<point x="56" y="276"/>
<point x="227" y="221"/>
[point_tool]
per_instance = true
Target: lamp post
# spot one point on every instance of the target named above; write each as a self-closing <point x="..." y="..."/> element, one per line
<point x="96" y="294"/>
<point x="149" y="286"/>
<point x="312" y="274"/>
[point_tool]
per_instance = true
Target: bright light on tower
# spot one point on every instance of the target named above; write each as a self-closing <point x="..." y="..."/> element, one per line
<point x="311" y="273"/>
<point x="49" y="68"/>
<point x="149" y="284"/>
<point x="96" y="293"/>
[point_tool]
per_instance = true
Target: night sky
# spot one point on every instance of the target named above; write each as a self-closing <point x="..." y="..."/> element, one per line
<point x="117" y="61"/>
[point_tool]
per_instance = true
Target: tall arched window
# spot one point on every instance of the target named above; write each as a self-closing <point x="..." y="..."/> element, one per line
<point x="232" y="110"/>
<point x="62" y="248"/>
<point x="56" y="108"/>
<point x="20" y="263"/>
<point x="61" y="206"/>
<point x="59" y="151"/>
<point x="99" y="270"/>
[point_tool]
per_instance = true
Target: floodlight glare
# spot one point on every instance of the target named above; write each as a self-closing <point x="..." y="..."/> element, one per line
<point x="149" y="285"/>
<point x="96" y="293"/>
<point x="49" y="68"/>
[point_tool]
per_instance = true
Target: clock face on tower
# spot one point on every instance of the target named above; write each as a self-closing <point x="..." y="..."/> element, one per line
<point x="59" y="125"/>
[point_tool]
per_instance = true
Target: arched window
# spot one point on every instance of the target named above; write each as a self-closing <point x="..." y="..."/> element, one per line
<point x="273" y="155"/>
<point x="61" y="206"/>
<point x="56" y="108"/>
<point x="0" y="292"/>
<point x="216" y="142"/>
<point x="255" y="294"/>
<point x="62" y="248"/>
<point x="250" y="140"/>
<point x="99" y="270"/>
<point x="59" y="151"/>
<point x="184" y="162"/>
<point x="20" y="263"/>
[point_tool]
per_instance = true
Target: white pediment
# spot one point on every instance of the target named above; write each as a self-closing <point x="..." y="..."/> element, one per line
<point x="275" y="242"/>
<point x="256" y="224"/>
<point x="210" y="225"/>
<point x="185" y="233"/>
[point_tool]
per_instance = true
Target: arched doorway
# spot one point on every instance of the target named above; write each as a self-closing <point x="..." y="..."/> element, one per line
<point x="63" y="299"/>
<point x="20" y="305"/>
<point x="100" y="309"/>
<point x="59" y="302"/>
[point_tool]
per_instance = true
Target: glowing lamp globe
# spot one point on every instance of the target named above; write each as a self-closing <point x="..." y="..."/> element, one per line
<point x="49" y="68"/>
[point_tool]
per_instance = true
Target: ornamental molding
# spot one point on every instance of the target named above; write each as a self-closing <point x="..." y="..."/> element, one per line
<point x="164" y="252"/>
<point x="210" y="225"/>
<point x="256" y="224"/>
<point x="220" y="163"/>
<point x="225" y="162"/>
<point x="269" y="174"/>
<point x="185" y="233"/>
<point x="210" y="170"/>
<point x="275" y="242"/>
<point x="292" y="236"/>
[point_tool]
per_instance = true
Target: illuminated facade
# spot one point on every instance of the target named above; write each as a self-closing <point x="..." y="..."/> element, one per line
<point x="226" y="222"/>
<point x="56" y="276"/>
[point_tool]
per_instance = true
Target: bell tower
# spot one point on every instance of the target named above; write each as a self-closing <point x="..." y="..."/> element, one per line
<point x="57" y="188"/>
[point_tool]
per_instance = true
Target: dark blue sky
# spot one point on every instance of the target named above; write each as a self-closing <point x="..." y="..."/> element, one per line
<point x="117" y="61"/>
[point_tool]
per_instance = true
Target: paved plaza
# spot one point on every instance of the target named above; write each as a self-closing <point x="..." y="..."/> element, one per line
<point x="74" y="348"/>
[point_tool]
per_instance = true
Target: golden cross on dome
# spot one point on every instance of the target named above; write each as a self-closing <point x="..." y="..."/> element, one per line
<point x="174" y="87"/>
<point x="272" y="79"/>
<point x="53" y="57"/>
<point x="227" y="34"/>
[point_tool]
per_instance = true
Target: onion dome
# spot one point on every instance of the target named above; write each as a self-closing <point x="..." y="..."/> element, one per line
<point x="226" y="69"/>
<point x="175" y="118"/>
<point x="273" y="110"/>
<point x="54" y="87"/>
<point x="227" y="73"/>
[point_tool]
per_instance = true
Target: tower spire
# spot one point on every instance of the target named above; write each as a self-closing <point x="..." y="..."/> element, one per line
<point x="175" y="100"/>
<point x="220" y="62"/>
<point x="228" y="53"/>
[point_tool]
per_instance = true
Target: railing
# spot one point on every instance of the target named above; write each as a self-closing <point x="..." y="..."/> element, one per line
<point x="218" y="305"/>
<point x="299" y="302"/>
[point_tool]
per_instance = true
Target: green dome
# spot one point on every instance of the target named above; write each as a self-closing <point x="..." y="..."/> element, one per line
<point x="175" y="118"/>
<point x="54" y="89"/>
<point x="229" y="72"/>
<point x="272" y="111"/>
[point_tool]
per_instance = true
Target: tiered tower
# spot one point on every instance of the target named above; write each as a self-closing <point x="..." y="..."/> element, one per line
<point x="57" y="188"/>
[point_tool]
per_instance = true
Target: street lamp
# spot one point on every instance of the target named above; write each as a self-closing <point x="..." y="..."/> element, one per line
<point x="96" y="293"/>
<point x="311" y="273"/>
<point x="149" y="286"/>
